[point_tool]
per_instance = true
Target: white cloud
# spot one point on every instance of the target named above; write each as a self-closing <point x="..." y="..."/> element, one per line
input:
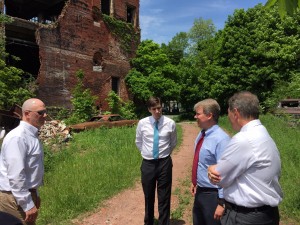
<point x="160" y="20"/>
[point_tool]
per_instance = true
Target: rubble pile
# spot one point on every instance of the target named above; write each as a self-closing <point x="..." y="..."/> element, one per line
<point x="54" y="131"/>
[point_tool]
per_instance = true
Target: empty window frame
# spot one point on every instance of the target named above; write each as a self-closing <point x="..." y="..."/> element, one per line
<point x="115" y="83"/>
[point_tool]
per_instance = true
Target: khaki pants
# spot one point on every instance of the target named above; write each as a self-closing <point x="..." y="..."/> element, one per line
<point x="9" y="205"/>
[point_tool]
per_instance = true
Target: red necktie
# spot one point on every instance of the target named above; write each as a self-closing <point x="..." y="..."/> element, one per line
<point x="196" y="159"/>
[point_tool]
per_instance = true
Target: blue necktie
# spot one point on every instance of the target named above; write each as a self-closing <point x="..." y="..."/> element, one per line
<point x="155" y="141"/>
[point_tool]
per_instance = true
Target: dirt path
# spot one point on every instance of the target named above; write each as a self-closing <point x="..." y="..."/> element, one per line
<point x="127" y="208"/>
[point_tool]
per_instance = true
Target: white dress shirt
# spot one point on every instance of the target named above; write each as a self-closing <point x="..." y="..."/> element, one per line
<point x="250" y="168"/>
<point x="21" y="163"/>
<point x="145" y="136"/>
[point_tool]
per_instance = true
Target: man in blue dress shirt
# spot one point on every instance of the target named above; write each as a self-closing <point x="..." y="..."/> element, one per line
<point x="209" y="203"/>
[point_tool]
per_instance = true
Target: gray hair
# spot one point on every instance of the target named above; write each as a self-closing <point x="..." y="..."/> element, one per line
<point x="209" y="106"/>
<point x="246" y="103"/>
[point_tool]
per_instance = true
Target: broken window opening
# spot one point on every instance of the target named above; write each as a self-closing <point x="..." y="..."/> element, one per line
<point x="20" y="41"/>
<point x="97" y="59"/>
<point x="42" y="11"/>
<point x="105" y="7"/>
<point x="115" y="83"/>
<point x="130" y="14"/>
<point x="28" y="55"/>
<point x="98" y="62"/>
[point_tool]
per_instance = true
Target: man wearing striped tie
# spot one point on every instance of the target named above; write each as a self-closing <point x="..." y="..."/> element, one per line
<point x="156" y="137"/>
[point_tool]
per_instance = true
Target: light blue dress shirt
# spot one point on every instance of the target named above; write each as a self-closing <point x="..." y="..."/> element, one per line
<point x="215" y="141"/>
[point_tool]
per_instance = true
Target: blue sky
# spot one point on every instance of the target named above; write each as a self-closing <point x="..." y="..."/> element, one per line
<point x="160" y="20"/>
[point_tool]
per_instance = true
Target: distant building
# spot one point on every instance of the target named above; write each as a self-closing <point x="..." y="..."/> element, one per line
<point x="56" y="38"/>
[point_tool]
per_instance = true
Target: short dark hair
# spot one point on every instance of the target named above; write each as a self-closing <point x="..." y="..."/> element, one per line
<point x="153" y="101"/>
<point x="246" y="103"/>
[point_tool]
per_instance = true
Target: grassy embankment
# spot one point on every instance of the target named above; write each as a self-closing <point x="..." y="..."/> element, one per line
<point x="100" y="163"/>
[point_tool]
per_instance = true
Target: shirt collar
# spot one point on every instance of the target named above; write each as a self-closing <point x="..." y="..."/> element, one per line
<point x="251" y="124"/>
<point x="31" y="128"/>
<point x="211" y="129"/>
<point x="152" y="120"/>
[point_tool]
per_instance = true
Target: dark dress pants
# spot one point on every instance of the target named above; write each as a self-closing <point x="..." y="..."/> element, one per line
<point x="266" y="217"/>
<point x="205" y="204"/>
<point x="157" y="173"/>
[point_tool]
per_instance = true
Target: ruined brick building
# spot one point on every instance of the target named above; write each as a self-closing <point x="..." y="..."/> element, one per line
<point x="56" y="38"/>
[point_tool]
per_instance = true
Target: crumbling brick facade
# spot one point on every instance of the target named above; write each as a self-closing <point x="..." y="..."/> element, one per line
<point x="79" y="37"/>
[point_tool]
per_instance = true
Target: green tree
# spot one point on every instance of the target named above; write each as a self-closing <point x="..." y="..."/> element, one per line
<point x="152" y="73"/>
<point x="200" y="54"/>
<point x="288" y="7"/>
<point x="256" y="51"/>
<point x="201" y="31"/>
<point x="177" y="47"/>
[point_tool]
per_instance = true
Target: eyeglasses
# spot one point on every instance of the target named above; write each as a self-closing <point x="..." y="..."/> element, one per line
<point x="40" y="112"/>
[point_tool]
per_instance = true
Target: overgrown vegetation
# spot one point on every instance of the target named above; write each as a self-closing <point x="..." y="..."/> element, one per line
<point x="124" y="32"/>
<point x="83" y="102"/>
<point x="118" y="106"/>
<point x="185" y="200"/>
<point x="15" y="85"/>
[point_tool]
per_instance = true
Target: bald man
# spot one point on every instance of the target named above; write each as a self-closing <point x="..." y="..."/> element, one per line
<point x="22" y="166"/>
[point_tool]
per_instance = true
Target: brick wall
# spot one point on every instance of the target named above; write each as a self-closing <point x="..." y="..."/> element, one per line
<point x="76" y="41"/>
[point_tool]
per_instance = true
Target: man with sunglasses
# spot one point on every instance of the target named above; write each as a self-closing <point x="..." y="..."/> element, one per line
<point x="22" y="166"/>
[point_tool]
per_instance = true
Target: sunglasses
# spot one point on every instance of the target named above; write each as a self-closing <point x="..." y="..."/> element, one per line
<point x="40" y="112"/>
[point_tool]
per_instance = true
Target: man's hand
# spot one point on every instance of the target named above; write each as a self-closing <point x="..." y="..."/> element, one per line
<point x="31" y="214"/>
<point x="219" y="212"/>
<point x="193" y="189"/>
<point x="213" y="175"/>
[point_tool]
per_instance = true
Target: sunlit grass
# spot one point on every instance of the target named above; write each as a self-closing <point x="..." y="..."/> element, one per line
<point x="96" y="165"/>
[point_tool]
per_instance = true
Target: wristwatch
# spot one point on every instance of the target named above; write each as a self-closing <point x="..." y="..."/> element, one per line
<point x="221" y="202"/>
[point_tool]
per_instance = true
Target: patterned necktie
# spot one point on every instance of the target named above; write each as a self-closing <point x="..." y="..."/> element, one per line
<point x="196" y="159"/>
<point x="155" y="141"/>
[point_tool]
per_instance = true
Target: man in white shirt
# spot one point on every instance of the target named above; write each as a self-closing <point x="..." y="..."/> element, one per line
<point x="249" y="168"/>
<point x="156" y="168"/>
<point x="21" y="164"/>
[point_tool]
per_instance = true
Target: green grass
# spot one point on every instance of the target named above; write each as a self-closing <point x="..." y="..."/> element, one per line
<point x="185" y="199"/>
<point x="96" y="165"/>
<point x="288" y="142"/>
